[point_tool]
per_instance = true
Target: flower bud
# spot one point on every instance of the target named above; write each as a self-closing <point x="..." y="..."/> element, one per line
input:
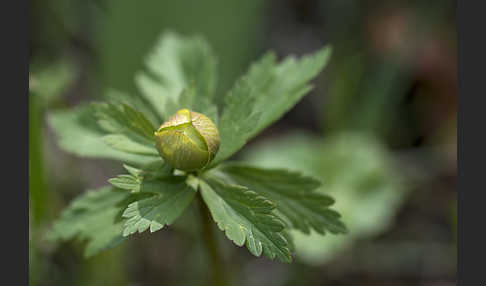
<point x="188" y="140"/>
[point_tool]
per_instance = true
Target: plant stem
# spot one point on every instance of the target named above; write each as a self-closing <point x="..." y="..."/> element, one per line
<point x="218" y="274"/>
<point x="37" y="184"/>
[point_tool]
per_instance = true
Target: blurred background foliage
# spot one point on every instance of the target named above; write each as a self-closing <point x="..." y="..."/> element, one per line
<point x="379" y="130"/>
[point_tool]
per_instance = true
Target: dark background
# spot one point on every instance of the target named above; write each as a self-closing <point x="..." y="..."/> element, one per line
<point x="392" y="77"/>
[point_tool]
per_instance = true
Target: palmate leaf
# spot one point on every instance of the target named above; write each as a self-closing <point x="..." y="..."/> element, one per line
<point x="237" y="120"/>
<point x="181" y="73"/>
<point x="123" y="143"/>
<point x="294" y="194"/>
<point x="123" y="119"/>
<point x="171" y="196"/>
<point x="281" y="86"/>
<point x="78" y="132"/>
<point x="96" y="217"/>
<point x="357" y="170"/>
<point x="175" y="64"/>
<point x="136" y="102"/>
<point x="246" y="218"/>
<point x="269" y="89"/>
<point x="127" y="182"/>
<point x="131" y="182"/>
<point x="129" y="130"/>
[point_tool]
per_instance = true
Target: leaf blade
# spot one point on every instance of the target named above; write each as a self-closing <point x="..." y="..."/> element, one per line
<point x="271" y="90"/>
<point x="174" y="64"/>
<point x="237" y="121"/>
<point x="121" y="118"/>
<point x="77" y="132"/>
<point x="95" y="217"/>
<point x="125" y="144"/>
<point x="294" y="194"/>
<point x="171" y="197"/>
<point x="246" y="218"/>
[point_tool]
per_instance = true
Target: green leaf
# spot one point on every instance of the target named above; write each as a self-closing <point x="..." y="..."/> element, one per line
<point x="269" y="90"/>
<point x="154" y="170"/>
<point x="126" y="182"/>
<point x="95" y="217"/>
<point x="77" y="132"/>
<point x="52" y="81"/>
<point x="171" y="197"/>
<point x="130" y="131"/>
<point x="356" y="169"/>
<point x="246" y="218"/>
<point x="132" y="181"/>
<point x="132" y="170"/>
<point x="136" y="101"/>
<point x="175" y="64"/>
<point x="123" y="143"/>
<point x="281" y="87"/>
<point x="120" y="118"/>
<point x="294" y="194"/>
<point x="237" y="121"/>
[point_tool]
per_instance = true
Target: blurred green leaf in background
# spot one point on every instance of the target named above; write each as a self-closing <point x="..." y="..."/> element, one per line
<point x="355" y="169"/>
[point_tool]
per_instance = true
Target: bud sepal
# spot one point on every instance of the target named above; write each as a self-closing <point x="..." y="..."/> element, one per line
<point x="188" y="140"/>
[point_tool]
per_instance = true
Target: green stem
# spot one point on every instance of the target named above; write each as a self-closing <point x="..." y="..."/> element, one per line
<point x="218" y="274"/>
<point x="37" y="189"/>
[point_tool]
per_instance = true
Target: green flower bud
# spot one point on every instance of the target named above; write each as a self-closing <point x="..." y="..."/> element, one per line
<point x="188" y="140"/>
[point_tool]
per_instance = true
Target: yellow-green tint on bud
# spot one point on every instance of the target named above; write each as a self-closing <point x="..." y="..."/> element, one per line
<point x="188" y="140"/>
